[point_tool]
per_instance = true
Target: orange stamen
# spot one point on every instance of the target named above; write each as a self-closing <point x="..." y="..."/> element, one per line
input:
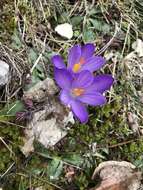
<point x="78" y="91"/>
<point x="82" y="60"/>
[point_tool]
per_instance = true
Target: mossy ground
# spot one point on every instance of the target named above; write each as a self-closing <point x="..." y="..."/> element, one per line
<point x="23" y="27"/>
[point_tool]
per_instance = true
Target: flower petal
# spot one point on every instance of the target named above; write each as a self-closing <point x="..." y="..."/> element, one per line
<point x="58" y="62"/>
<point x="93" y="63"/>
<point x="79" y="111"/>
<point x="63" y="78"/>
<point x="100" y="84"/>
<point x="74" y="56"/>
<point x="87" y="50"/>
<point x="83" y="79"/>
<point x="93" y="99"/>
<point x="65" y="97"/>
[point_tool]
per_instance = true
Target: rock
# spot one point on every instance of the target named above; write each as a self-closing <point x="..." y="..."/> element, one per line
<point x="41" y="90"/>
<point x="65" y="30"/>
<point x="4" y="73"/>
<point x="116" y="175"/>
<point x="138" y="47"/>
<point x="48" y="126"/>
<point x="49" y="122"/>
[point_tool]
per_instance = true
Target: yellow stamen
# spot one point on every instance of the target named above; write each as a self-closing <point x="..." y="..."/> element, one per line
<point x="78" y="91"/>
<point x="77" y="66"/>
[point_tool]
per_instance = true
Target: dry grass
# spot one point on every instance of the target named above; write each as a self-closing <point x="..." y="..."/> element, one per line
<point x="34" y="23"/>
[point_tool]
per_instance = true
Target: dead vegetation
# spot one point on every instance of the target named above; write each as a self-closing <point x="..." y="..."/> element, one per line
<point x="28" y="40"/>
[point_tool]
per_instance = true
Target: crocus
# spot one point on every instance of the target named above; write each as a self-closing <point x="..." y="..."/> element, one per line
<point x="82" y="90"/>
<point x="80" y="58"/>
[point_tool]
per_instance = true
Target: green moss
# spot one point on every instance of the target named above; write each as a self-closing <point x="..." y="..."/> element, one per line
<point x="7" y="21"/>
<point x="11" y="136"/>
<point x="107" y="125"/>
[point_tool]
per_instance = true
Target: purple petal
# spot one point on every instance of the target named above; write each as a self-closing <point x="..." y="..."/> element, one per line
<point x="87" y="50"/>
<point x="79" y="111"/>
<point x="93" y="63"/>
<point x="58" y="62"/>
<point x="93" y="99"/>
<point x="83" y="79"/>
<point x="74" y="56"/>
<point x="63" y="78"/>
<point x="65" y="97"/>
<point x="100" y="84"/>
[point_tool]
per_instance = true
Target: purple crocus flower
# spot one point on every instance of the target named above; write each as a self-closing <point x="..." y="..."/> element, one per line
<point x="82" y="90"/>
<point x="80" y="58"/>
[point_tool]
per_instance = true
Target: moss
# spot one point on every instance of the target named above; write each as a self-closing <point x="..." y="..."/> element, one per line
<point x="7" y="21"/>
<point x="12" y="138"/>
<point x="107" y="125"/>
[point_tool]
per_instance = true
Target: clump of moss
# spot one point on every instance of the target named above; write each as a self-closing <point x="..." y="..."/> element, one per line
<point x="11" y="136"/>
<point x="7" y="20"/>
<point x="107" y="126"/>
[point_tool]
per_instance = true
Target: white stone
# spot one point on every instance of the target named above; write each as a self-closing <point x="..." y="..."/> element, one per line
<point x="47" y="132"/>
<point x="64" y="30"/>
<point x="138" y="47"/>
<point x="4" y="72"/>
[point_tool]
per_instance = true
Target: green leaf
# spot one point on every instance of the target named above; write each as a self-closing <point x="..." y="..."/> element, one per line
<point x="5" y="118"/>
<point x="100" y="26"/>
<point x="63" y="18"/>
<point x="76" y="20"/>
<point x="12" y="109"/>
<point x="45" y="155"/>
<point x="100" y="155"/>
<point x="32" y="56"/>
<point x="36" y="171"/>
<point x="74" y="159"/>
<point x="55" y="168"/>
<point x="76" y="33"/>
<point x="95" y="10"/>
<point x="139" y="163"/>
<point x="40" y="72"/>
<point x="21" y="185"/>
<point x="105" y="150"/>
<point x="16" y="42"/>
<point x="88" y="36"/>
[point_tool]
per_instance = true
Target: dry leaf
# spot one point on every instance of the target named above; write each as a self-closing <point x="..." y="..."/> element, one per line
<point x="39" y="188"/>
<point x="132" y="120"/>
<point x="70" y="173"/>
<point x="134" y="69"/>
<point x="116" y="175"/>
<point x="28" y="143"/>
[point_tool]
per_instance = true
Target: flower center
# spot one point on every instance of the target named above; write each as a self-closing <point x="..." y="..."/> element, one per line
<point x="78" y="65"/>
<point x="77" y="91"/>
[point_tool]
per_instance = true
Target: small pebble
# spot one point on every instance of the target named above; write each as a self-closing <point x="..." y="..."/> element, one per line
<point x="64" y="30"/>
<point x="4" y="73"/>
